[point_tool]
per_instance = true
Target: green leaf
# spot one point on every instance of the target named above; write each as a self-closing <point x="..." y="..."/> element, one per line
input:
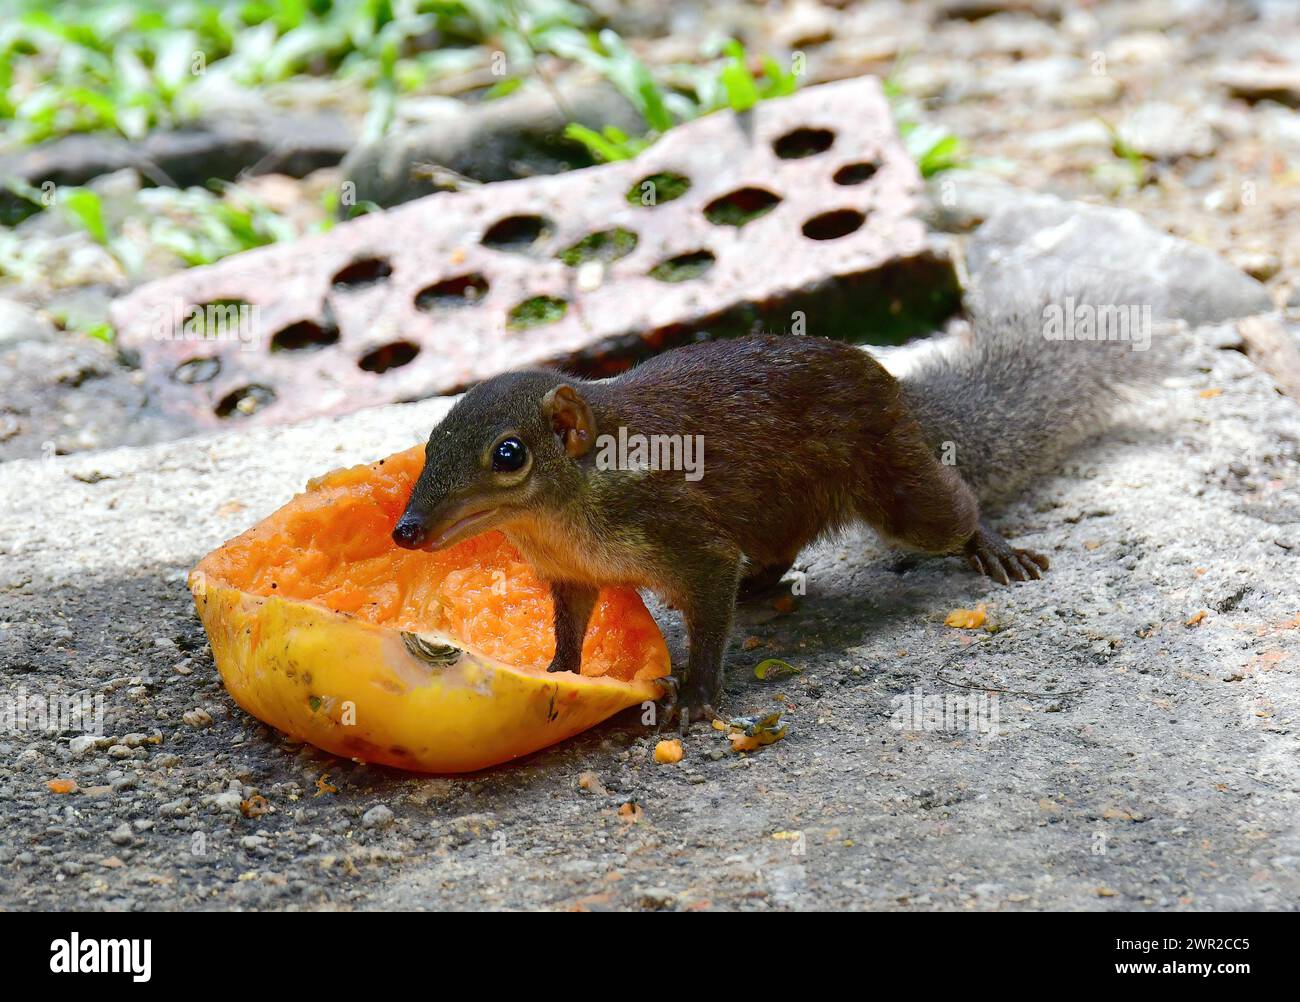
<point x="608" y="146"/>
<point x="173" y="60"/>
<point x="777" y="81"/>
<point x="99" y="105"/>
<point x="774" y="668"/>
<point x="503" y="88"/>
<point x="941" y="156"/>
<point x="100" y="332"/>
<point x="383" y="109"/>
<point x="738" y="83"/>
<point x="86" y="208"/>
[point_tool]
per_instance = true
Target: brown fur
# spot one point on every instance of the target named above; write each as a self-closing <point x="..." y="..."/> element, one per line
<point x="802" y="436"/>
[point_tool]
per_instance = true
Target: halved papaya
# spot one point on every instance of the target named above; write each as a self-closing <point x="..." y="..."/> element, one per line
<point x="436" y="662"/>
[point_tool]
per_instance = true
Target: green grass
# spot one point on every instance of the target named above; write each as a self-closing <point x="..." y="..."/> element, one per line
<point x="725" y="82"/>
<point x="663" y="187"/>
<point x="1133" y="168"/>
<point x="610" y="144"/>
<point x="536" y="312"/>
<point x="128" y="66"/>
<point x="932" y="147"/>
<point x="604" y="245"/>
<point x="194" y="225"/>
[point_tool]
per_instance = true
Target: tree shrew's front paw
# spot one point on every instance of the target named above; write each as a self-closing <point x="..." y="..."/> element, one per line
<point x="995" y="558"/>
<point x="683" y="705"/>
<point x="558" y="665"/>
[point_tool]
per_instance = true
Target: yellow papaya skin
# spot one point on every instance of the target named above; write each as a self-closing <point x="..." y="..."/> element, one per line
<point x="352" y="688"/>
<point x="311" y="611"/>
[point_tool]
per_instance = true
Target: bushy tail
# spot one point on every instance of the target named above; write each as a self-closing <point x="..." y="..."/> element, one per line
<point x="1011" y="402"/>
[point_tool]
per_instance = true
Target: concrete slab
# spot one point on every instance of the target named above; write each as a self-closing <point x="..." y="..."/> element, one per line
<point x="1140" y="761"/>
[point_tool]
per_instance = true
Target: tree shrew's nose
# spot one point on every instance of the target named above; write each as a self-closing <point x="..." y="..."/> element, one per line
<point x="410" y="533"/>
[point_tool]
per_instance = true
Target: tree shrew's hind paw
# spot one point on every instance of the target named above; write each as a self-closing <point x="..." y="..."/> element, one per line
<point x="994" y="557"/>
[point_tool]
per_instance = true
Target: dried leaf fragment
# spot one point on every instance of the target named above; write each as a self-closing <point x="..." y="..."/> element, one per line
<point x="775" y="668"/>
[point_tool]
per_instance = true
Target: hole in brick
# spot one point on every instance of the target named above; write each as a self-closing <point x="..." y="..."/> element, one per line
<point x="740" y="206"/>
<point x="833" y="225"/>
<point x="604" y="245"/>
<point x="537" y="311"/>
<point x="657" y="188"/>
<point x="463" y="290"/>
<point x="218" y="319"/>
<point x="683" y="267"/>
<point x="515" y="233"/>
<point x="305" y="335"/>
<point x="855" y="173"/>
<point x="803" y="143"/>
<point x="389" y="356"/>
<point x="245" y="401"/>
<point x="359" y="274"/>
<point x="197" y="370"/>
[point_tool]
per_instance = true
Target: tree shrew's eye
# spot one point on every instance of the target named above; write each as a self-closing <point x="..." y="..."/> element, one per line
<point x="509" y="455"/>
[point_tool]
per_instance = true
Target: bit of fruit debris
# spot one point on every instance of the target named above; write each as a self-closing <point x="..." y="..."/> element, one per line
<point x="669" y="751"/>
<point x="967" y="619"/>
<point x="750" y="733"/>
<point x="255" y="806"/>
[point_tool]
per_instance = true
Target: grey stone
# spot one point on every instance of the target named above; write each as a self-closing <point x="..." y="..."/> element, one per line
<point x="82" y="744"/>
<point x="21" y="323"/>
<point x="1259" y="81"/>
<point x="267" y="141"/>
<point x="1069" y="248"/>
<point x="960" y="200"/>
<point x="1165" y="131"/>
<point x="1054" y="81"/>
<point x="1258" y="264"/>
<point x="1088" y="134"/>
<point x="228" y="802"/>
<point x="517" y="136"/>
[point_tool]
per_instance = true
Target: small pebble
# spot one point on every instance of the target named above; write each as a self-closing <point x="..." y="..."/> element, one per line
<point x="228" y="802"/>
<point x="81" y="744"/>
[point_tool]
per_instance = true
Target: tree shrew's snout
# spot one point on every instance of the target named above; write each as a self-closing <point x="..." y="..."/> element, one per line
<point x="410" y="532"/>
<point x="418" y="530"/>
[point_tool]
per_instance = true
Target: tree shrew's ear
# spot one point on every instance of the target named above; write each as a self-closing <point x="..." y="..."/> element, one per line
<point x="571" y="418"/>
